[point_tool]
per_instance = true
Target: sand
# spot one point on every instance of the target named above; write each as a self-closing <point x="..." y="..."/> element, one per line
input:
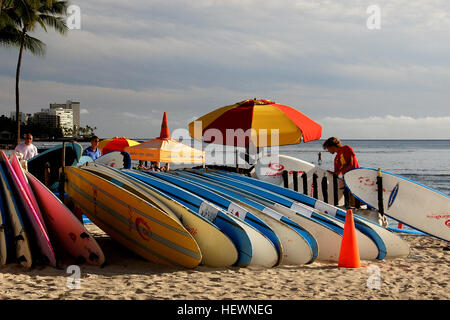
<point x="423" y="275"/>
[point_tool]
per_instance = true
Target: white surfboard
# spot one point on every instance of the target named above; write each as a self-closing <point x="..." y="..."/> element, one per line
<point x="116" y="159"/>
<point x="328" y="240"/>
<point x="409" y="202"/>
<point x="270" y="169"/>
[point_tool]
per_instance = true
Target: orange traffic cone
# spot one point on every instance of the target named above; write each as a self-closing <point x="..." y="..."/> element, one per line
<point x="164" y="134"/>
<point x="349" y="254"/>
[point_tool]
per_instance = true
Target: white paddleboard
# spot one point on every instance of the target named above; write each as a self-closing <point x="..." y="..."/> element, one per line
<point x="116" y="159"/>
<point x="409" y="202"/>
<point x="270" y="169"/>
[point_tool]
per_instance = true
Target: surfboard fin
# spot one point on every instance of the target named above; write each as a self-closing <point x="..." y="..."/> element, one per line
<point x="84" y="235"/>
<point x="80" y="260"/>
<point x="93" y="257"/>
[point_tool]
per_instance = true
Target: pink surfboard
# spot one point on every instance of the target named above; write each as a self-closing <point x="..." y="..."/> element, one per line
<point x="40" y="233"/>
<point x="65" y="227"/>
<point x="21" y="175"/>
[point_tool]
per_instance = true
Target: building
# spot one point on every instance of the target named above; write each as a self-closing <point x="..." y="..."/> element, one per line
<point x="24" y="117"/>
<point x="75" y="107"/>
<point x="56" y="118"/>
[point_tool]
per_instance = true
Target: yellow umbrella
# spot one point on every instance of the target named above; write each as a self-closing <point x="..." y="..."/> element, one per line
<point x="166" y="149"/>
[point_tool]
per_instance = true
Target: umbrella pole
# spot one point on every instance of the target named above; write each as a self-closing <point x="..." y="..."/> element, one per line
<point x="62" y="177"/>
<point x="236" y="157"/>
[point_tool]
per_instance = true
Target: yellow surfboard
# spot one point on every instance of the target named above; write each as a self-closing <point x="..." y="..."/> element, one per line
<point x="217" y="249"/>
<point x="132" y="221"/>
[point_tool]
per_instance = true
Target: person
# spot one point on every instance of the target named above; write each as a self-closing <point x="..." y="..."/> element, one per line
<point x="93" y="151"/>
<point x="27" y="149"/>
<point x="345" y="159"/>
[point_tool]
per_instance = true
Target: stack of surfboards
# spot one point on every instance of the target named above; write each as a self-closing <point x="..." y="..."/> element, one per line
<point x="36" y="226"/>
<point x="190" y="217"/>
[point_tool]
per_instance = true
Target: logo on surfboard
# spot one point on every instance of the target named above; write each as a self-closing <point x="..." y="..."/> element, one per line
<point x="143" y="229"/>
<point x="393" y="195"/>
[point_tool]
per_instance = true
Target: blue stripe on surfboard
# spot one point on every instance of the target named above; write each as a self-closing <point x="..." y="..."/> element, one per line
<point x="211" y="185"/>
<point x="222" y="202"/>
<point x="408" y="231"/>
<point x="363" y="225"/>
<point x="236" y="234"/>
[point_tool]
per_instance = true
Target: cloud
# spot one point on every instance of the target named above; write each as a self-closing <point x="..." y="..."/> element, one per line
<point x="189" y="57"/>
<point x="388" y="127"/>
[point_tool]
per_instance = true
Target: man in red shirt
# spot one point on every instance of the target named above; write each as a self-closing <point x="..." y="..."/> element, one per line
<point x="345" y="159"/>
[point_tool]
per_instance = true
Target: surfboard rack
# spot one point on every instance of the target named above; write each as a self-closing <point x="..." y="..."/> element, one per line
<point x="380" y="192"/>
<point x="315" y="187"/>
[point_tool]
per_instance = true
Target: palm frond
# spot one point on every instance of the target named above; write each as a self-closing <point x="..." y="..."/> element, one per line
<point x="34" y="45"/>
<point x="55" y="22"/>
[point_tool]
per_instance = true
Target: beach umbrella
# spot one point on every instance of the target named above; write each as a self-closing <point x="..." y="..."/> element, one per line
<point x="115" y="144"/>
<point x="263" y="116"/>
<point x="166" y="149"/>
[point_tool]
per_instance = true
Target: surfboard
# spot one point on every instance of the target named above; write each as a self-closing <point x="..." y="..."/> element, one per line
<point x="404" y="200"/>
<point x="19" y="235"/>
<point x="3" y="231"/>
<point x="217" y="249"/>
<point x="392" y="246"/>
<point x="328" y="239"/>
<point x="65" y="228"/>
<point x="298" y="246"/>
<point x="270" y="169"/>
<point x="116" y="159"/>
<point x="369" y="247"/>
<point x="84" y="159"/>
<point x="39" y="232"/>
<point x="236" y="231"/>
<point x="292" y="243"/>
<point x="23" y="179"/>
<point x="133" y="222"/>
<point x="51" y="159"/>
<point x="225" y="205"/>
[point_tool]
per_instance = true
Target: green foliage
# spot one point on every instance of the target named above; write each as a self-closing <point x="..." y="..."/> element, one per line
<point x="17" y="19"/>
<point x="38" y="131"/>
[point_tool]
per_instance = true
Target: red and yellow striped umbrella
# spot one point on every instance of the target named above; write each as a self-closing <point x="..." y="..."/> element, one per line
<point x="115" y="144"/>
<point x="263" y="116"/>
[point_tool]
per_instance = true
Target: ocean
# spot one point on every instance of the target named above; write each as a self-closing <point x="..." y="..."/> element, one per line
<point x="423" y="161"/>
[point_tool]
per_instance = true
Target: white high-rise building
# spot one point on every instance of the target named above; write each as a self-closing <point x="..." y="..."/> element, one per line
<point x="75" y="107"/>
<point x="56" y="117"/>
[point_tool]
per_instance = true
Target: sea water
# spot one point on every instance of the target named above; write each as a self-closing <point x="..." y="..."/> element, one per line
<point x="423" y="161"/>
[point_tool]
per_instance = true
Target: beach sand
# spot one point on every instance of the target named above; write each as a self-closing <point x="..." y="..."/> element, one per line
<point x="423" y="275"/>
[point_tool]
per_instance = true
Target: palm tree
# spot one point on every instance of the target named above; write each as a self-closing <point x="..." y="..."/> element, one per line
<point x="19" y="17"/>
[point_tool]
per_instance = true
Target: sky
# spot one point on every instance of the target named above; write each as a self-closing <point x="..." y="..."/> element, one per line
<point x="132" y="60"/>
